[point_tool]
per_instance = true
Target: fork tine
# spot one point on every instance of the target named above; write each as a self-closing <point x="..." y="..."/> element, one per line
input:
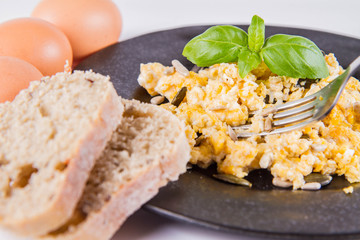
<point x="276" y="131"/>
<point x="242" y="127"/>
<point x="295" y="103"/>
<point x="293" y="127"/>
<point x="293" y="119"/>
<point x="294" y="110"/>
<point x="292" y="104"/>
<point x="284" y="121"/>
<point x="287" y="113"/>
<point x="305" y="110"/>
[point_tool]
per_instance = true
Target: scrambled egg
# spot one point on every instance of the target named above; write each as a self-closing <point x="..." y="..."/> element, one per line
<point x="217" y="97"/>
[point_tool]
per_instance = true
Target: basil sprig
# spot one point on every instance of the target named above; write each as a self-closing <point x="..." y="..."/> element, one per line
<point x="256" y="34"/>
<point x="285" y="55"/>
<point x="217" y="44"/>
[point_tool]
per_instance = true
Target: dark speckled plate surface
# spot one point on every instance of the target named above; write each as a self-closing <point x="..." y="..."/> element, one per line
<point x="263" y="211"/>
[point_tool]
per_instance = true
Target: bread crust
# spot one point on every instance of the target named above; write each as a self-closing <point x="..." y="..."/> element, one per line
<point x="131" y="195"/>
<point x="77" y="172"/>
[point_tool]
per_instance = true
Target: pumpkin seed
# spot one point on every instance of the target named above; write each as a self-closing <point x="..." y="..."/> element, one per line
<point x="179" y="97"/>
<point x="306" y="83"/>
<point x="232" y="179"/>
<point x="199" y="140"/>
<point x="319" y="178"/>
<point x="305" y="136"/>
<point x="267" y="99"/>
<point x="196" y="68"/>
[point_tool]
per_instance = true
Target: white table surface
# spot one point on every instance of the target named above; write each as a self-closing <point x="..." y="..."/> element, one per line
<point x="144" y="16"/>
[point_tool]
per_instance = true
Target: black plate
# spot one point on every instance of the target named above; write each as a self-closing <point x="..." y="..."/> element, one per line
<point x="197" y="197"/>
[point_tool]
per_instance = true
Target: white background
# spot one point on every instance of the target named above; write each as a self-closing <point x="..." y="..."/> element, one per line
<point x="144" y="16"/>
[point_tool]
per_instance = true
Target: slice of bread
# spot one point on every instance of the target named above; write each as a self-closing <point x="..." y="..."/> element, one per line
<point x="148" y="149"/>
<point x="50" y="137"/>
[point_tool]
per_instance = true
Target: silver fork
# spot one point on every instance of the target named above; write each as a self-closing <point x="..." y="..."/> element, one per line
<point x="306" y="110"/>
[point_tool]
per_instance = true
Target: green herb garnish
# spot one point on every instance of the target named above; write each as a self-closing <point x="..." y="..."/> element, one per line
<point x="285" y="55"/>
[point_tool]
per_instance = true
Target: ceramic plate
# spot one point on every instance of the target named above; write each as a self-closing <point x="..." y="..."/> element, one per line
<point x="262" y="211"/>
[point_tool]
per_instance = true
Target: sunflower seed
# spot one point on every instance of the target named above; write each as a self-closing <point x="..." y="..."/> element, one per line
<point x="232" y="179"/>
<point x="266" y="160"/>
<point x="231" y="133"/>
<point x="278" y="182"/>
<point x="169" y="70"/>
<point x="311" y="186"/>
<point x="318" y="147"/>
<point x="267" y="124"/>
<point x="179" y="97"/>
<point x="180" y="68"/>
<point x="218" y="108"/>
<point x="157" y="100"/>
<point x="317" y="177"/>
<point x="268" y="111"/>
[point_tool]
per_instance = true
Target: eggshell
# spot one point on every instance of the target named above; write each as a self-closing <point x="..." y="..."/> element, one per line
<point x="90" y="25"/>
<point x="37" y="42"/>
<point x="15" y="75"/>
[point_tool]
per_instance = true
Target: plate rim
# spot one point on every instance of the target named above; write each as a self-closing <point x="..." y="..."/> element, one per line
<point x="222" y="227"/>
<point x="248" y="233"/>
<point x="293" y="27"/>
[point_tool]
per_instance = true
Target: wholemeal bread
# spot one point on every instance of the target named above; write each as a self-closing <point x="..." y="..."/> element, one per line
<point x="50" y="136"/>
<point x="148" y="149"/>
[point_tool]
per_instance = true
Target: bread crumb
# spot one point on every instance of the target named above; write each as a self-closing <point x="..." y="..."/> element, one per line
<point x="348" y="189"/>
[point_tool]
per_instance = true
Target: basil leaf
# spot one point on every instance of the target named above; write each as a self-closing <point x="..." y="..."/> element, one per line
<point x="247" y="61"/>
<point x="256" y="33"/>
<point x="294" y="56"/>
<point x="218" y="44"/>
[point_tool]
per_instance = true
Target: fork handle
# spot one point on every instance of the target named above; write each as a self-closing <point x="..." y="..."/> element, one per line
<point x="340" y="82"/>
<point x="354" y="65"/>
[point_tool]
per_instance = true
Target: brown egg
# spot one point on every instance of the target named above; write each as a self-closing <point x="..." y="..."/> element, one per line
<point x="15" y="75"/>
<point x="37" y="42"/>
<point x="90" y="25"/>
